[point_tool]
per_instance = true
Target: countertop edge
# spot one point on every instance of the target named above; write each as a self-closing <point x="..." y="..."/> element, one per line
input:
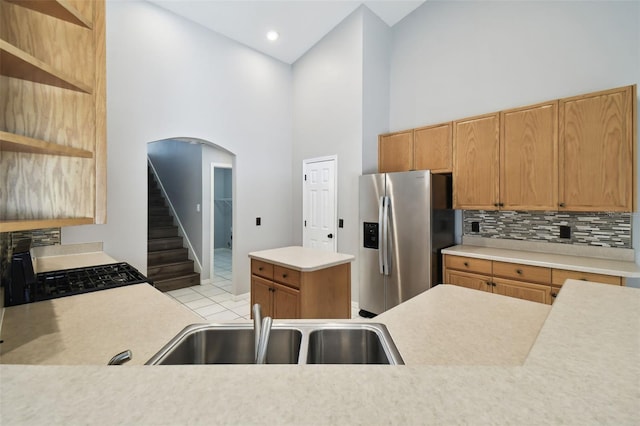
<point x="567" y="262"/>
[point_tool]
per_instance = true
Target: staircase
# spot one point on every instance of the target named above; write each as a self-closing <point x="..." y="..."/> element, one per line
<point x="168" y="265"/>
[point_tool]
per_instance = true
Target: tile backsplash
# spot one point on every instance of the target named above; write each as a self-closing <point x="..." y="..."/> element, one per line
<point x="594" y="229"/>
<point x="39" y="237"/>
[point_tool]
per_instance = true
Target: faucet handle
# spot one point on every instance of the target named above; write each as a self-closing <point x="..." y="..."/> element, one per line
<point x="121" y="358"/>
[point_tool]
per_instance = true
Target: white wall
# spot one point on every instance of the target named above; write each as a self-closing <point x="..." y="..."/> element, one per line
<point x="167" y="78"/>
<point x="377" y="38"/>
<point x="327" y="100"/>
<point x="457" y="59"/>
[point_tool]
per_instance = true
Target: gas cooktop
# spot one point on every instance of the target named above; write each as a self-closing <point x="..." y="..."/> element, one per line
<point x="68" y="282"/>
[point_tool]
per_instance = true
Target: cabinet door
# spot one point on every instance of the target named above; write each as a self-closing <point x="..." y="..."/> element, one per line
<point x="521" y="290"/>
<point x="432" y="148"/>
<point x="596" y="151"/>
<point x="529" y="158"/>
<point x="286" y="302"/>
<point x="465" y="279"/>
<point x="261" y="292"/>
<point x="395" y="152"/>
<point x="476" y="159"/>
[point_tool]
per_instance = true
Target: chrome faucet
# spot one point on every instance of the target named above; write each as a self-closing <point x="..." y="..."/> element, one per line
<point x="261" y="331"/>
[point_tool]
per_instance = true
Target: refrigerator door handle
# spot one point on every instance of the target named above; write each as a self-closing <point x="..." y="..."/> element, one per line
<point x="381" y="231"/>
<point x="385" y="234"/>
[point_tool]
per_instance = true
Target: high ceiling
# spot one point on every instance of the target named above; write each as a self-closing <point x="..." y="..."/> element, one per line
<point x="300" y="23"/>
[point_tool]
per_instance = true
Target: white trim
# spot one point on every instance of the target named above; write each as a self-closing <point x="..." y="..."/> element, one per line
<point x="212" y="214"/>
<point x="307" y="161"/>
<point x="181" y="231"/>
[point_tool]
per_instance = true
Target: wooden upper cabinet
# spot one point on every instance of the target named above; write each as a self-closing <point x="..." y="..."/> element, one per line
<point x="596" y="151"/>
<point x="529" y="158"/>
<point x="475" y="163"/>
<point x="395" y="152"/>
<point x="432" y="148"/>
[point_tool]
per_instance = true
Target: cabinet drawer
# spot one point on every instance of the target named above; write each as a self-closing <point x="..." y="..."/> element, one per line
<point x="286" y="276"/>
<point x="559" y="276"/>
<point x="468" y="264"/>
<point x="262" y="269"/>
<point x="522" y="272"/>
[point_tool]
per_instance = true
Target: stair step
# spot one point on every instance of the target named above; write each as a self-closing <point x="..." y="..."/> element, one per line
<point x="166" y="256"/>
<point x="160" y="222"/>
<point x="166" y="243"/>
<point x="158" y="210"/>
<point x="162" y="231"/>
<point x="177" y="282"/>
<point x="170" y="270"/>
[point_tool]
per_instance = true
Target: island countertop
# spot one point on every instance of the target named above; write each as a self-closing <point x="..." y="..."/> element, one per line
<point x="582" y="369"/>
<point x="302" y="258"/>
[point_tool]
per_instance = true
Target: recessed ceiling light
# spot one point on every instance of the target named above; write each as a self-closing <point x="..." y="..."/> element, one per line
<point x="272" y="35"/>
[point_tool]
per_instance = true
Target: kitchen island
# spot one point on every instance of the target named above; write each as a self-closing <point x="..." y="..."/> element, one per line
<point x="300" y="282"/>
<point x="582" y="368"/>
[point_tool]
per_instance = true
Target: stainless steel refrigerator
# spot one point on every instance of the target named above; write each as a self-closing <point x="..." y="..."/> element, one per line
<point x="405" y="221"/>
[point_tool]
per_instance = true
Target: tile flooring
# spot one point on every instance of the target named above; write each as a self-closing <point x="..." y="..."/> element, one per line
<point x="214" y="302"/>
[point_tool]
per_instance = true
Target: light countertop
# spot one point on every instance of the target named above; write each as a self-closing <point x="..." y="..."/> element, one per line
<point x="90" y="328"/>
<point x="302" y="258"/>
<point x="560" y="261"/>
<point x="582" y="369"/>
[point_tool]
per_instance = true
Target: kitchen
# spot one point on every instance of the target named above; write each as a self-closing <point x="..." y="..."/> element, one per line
<point x="584" y="47"/>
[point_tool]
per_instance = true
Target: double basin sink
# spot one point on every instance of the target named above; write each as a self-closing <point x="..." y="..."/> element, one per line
<point x="290" y="342"/>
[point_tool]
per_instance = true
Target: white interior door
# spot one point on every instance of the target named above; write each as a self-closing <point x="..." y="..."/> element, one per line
<point x="319" y="197"/>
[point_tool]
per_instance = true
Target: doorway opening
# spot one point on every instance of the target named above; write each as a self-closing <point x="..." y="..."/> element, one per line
<point x="221" y="224"/>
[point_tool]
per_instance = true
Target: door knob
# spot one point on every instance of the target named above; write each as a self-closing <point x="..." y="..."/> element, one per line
<point x="330" y="236"/>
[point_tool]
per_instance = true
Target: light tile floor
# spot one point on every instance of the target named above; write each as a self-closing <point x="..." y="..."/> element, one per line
<point x="214" y="302"/>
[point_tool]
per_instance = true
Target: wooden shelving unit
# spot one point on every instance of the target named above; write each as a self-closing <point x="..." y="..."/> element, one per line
<point x="17" y="143"/>
<point x="19" y="64"/>
<point x="60" y="9"/>
<point x="57" y="44"/>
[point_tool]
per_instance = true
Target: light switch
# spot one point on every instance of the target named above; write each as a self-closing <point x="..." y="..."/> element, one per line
<point x="198" y="208"/>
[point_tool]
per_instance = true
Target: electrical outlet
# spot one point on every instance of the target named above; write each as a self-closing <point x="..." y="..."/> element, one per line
<point x="475" y="226"/>
<point x="258" y="221"/>
<point x="565" y="231"/>
<point x="340" y="223"/>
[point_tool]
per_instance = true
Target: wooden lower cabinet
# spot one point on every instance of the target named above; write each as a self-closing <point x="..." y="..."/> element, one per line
<point x="287" y="293"/>
<point x="276" y="300"/>
<point x="522" y="290"/>
<point x="533" y="283"/>
<point x="468" y="280"/>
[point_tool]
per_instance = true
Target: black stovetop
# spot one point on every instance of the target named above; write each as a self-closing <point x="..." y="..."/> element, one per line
<point x="68" y="282"/>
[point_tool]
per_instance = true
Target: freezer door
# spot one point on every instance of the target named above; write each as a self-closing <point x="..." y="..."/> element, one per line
<point x="410" y="217"/>
<point x="371" y="294"/>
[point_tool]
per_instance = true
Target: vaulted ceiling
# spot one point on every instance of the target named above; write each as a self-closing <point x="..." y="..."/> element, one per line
<point x="300" y="23"/>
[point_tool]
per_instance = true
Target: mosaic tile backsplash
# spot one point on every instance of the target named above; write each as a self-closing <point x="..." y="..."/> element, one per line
<point x="595" y="229"/>
<point x="39" y="237"/>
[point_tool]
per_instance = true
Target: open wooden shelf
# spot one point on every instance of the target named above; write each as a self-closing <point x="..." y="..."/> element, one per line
<point x="23" y="225"/>
<point x="17" y="63"/>
<point x="60" y="9"/>
<point x="18" y="143"/>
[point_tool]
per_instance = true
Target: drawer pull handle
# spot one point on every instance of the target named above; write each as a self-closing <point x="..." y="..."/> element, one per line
<point x="260" y="268"/>
<point x="466" y="264"/>
<point x="284" y="275"/>
<point x="583" y="279"/>
<point x="519" y="271"/>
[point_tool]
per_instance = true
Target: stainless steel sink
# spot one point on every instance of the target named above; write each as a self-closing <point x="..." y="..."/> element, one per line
<point x="291" y="342"/>
<point x="227" y="344"/>
<point x="346" y="346"/>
